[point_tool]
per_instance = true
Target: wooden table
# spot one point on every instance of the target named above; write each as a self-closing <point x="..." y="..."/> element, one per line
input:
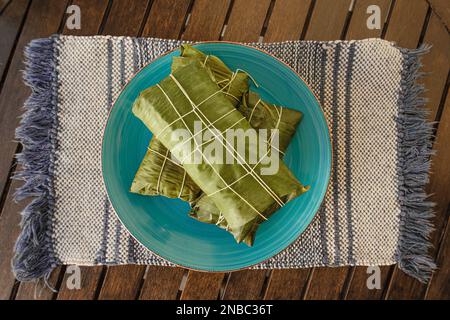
<point x="408" y="22"/>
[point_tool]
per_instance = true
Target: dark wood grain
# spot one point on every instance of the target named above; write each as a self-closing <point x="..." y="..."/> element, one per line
<point x="10" y="23"/>
<point x="328" y="20"/>
<point x="358" y="24"/>
<point x="287" y="284"/>
<point x="206" y="20"/>
<point x="358" y="290"/>
<point x="92" y="12"/>
<point x="122" y="282"/>
<point x="439" y="286"/>
<point x="440" y="283"/>
<point x="406" y="23"/>
<point x="436" y="63"/>
<point x="202" y="286"/>
<point x="245" y="285"/>
<point x="246" y="20"/>
<point x="287" y="20"/>
<point x="9" y="230"/>
<point x="162" y="283"/>
<point x="4" y="4"/>
<point x="43" y="19"/>
<point x="166" y="18"/>
<point x="442" y="9"/>
<point x="89" y="279"/>
<point x="125" y="18"/>
<point x="326" y="283"/>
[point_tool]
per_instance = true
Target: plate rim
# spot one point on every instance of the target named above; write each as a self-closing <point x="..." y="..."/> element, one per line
<point x="247" y="46"/>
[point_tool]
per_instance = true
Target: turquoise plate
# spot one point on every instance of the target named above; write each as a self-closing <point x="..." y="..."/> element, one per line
<point x="162" y="225"/>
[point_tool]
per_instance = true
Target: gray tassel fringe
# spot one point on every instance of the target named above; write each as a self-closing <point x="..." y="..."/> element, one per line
<point x="415" y="150"/>
<point x="34" y="257"/>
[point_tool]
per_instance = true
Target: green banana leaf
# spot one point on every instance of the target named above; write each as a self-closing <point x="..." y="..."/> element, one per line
<point x="159" y="176"/>
<point x="261" y="115"/>
<point x="242" y="194"/>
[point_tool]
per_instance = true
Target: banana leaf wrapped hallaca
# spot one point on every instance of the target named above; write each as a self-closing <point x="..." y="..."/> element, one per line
<point x="157" y="174"/>
<point x="261" y="115"/>
<point x="242" y="193"/>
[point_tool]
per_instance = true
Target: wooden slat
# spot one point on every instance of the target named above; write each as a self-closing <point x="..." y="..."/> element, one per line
<point x="326" y="283"/>
<point x="166" y="19"/>
<point x="287" y="20"/>
<point x="406" y="22"/>
<point x="287" y="284"/>
<point x="328" y="20"/>
<point x="9" y="230"/>
<point x="3" y="4"/>
<point x="436" y="63"/>
<point x="206" y="20"/>
<point x="125" y="18"/>
<point x="358" y="24"/>
<point x="440" y="283"/>
<point x="358" y="289"/>
<point x="92" y="12"/>
<point x="89" y="280"/>
<point x="122" y="282"/>
<point x="439" y="287"/>
<point x="43" y="19"/>
<point x="442" y="9"/>
<point x="245" y="285"/>
<point x="161" y="283"/>
<point x="10" y="22"/>
<point x="202" y="286"/>
<point x="246" y="20"/>
<point x="401" y="285"/>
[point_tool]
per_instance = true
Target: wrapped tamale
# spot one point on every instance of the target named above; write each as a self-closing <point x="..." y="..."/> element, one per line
<point x="240" y="190"/>
<point x="261" y="115"/>
<point x="157" y="174"/>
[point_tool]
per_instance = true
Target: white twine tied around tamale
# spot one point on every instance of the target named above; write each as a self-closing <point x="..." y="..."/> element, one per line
<point x="165" y="157"/>
<point x="227" y="145"/>
<point x="215" y="171"/>
<point x="206" y="99"/>
<point x="161" y="171"/>
<point x="221" y="117"/>
<point x="260" y="160"/>
<point x="254" y="175"/>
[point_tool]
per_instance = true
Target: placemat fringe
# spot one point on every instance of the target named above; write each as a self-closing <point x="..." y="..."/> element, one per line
<point x="34" y="256"/>
<point x="415" y="150"/>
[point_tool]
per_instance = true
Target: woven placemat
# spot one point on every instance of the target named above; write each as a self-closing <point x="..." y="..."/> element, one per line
<point x="375" y="211"/>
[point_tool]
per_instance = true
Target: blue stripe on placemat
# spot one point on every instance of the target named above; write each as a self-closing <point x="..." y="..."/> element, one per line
<point x="348" y="158"/>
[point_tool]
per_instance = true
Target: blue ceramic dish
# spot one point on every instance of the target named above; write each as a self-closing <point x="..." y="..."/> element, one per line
<point x="162" y="225"/>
